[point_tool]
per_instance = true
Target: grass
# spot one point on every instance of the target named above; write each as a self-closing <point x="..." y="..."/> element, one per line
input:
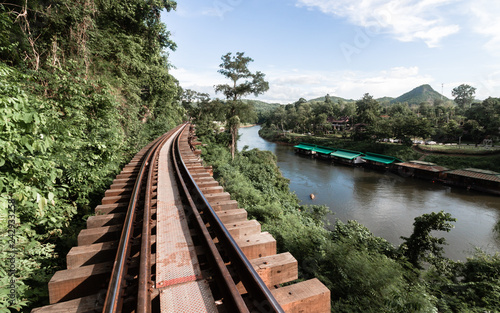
<point x="462" y="149"/>
<point x="491" y="163"/>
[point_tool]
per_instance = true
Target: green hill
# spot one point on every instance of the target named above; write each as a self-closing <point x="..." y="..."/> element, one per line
<point x="385" y="100"/>
<point x="261" y="106"/>
<point x="333" y="98"/>
<point x="423" y="93"/>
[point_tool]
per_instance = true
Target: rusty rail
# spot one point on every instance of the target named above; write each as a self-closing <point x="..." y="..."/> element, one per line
<point x="114" y="294"/>
<point x="108" y="250"/>
<point x="259" y="292"/>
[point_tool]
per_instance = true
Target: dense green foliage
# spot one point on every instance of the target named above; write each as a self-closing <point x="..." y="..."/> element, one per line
<point x="368" y="120"/>
<point x="491" y="163"/>
<point x="83" y="85"/>
<point x="364" y="273"/>
<point x="464" y="95"/>
<point x="361" y="270"/>
<point x="421" y="245"/>
<point x="262" y="108"/>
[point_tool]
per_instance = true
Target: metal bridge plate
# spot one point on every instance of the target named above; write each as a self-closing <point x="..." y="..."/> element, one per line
<point x="176" y="260"/>
<point x="188" y="297"/>
<point x="178" y="274"/>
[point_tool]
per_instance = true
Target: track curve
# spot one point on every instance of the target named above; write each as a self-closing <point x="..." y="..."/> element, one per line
<point x="165" y="226"/>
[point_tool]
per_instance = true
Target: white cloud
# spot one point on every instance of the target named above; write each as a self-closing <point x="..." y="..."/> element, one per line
<point x="485" y="21"/>
<point x="406" y="20"/>
<point x="198" y="80"/>
<point x="289" y="86"/>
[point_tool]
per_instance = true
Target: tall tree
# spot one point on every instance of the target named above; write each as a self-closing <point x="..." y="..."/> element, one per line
<point x="244" y="82"/>
<point x="464" y="95"/>
<point x="367" y="109"/>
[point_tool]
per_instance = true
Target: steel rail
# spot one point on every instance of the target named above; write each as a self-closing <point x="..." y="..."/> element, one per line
<point x="224" y="279"/>
<point x="263" y="299"/>
<point x="114" y="293"/>
<point x="144" y="292"/>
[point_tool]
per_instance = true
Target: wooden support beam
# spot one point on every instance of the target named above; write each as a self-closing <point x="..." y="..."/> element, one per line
<point x="111" y="208"/>
<point x="91" y="254"/>
<point x="105" y="220"/>
<point x="231" y="216"/>
<point x="196" y="175"/>
<point x="257" y="246"/>
<point x="307" y="296"/>
<point x="211" y="190"/>
<point x="209" y="182"/>
<point x="100" y="234"/>
<point x="117" y="192"/>
<point x="94" y="253"/>
<point x="217" y="197"/>
<point x="130" y="169"/>
<point x="79" y="282"/>
<point x="224" y="205"/>
<point x="243" y="229"/>
<point x="130" y="184"/>
<point x="89" y="304"/>
<point x="128" y="181"/>
<point x="276" y="269"/>
<point x="130" y="175"/>
<point x="116" y="199"/>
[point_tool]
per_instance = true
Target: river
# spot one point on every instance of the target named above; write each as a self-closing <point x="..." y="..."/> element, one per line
<point x="386" y="203"/>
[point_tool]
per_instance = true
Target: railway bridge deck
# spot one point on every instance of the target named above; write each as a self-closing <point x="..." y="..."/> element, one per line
<point x="168" y="238"/>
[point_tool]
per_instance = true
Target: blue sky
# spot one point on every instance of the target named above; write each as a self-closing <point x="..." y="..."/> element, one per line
<point x="308" y="48"/>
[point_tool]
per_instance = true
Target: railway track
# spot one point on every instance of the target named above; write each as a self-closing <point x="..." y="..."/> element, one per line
<point x="167" y="238"/>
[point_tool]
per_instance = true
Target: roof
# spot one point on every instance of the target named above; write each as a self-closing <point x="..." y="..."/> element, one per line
<point x="380" y="158"/>
<point x="425" y="166"/>
<point x="311" y="147"/>
<point x="346" y="154"/>
<point x="324" y="150"/>
<point x="305" y="146"/>
<point x="477" y="174"/>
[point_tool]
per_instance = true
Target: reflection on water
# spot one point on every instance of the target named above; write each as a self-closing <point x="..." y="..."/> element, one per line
<point x="386" y="203"/>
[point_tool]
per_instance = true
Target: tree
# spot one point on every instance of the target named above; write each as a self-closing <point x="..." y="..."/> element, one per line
<point x="487" y="114"/>
<point x="367" y="109"/>
<point x="236" y="69"/>
<point x="475" y="131"/>
<point x="421" y="245"/>
<point x="192" y="100"/>
<point x="464" y="95"/>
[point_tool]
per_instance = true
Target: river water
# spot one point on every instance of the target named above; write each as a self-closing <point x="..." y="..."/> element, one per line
<point x="386" y="203"/>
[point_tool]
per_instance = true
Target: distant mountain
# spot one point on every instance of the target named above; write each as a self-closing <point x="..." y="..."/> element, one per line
<point x="333" y="98"/>
<point x="385" y="100"/>
<point x="261" y="106"/>
<point x="423" y="93"/>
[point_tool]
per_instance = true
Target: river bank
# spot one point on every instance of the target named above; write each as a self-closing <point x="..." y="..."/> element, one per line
<point x="385" y="203"/>
<point x="481" y="160"/>
<point x="355" y="262"/>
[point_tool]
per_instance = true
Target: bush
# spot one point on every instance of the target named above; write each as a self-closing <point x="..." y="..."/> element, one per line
<point x="362" y="271"/>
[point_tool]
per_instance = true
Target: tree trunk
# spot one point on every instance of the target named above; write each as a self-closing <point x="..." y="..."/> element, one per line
<point x="234" y="124"/>
<point x="233" y="142"/>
